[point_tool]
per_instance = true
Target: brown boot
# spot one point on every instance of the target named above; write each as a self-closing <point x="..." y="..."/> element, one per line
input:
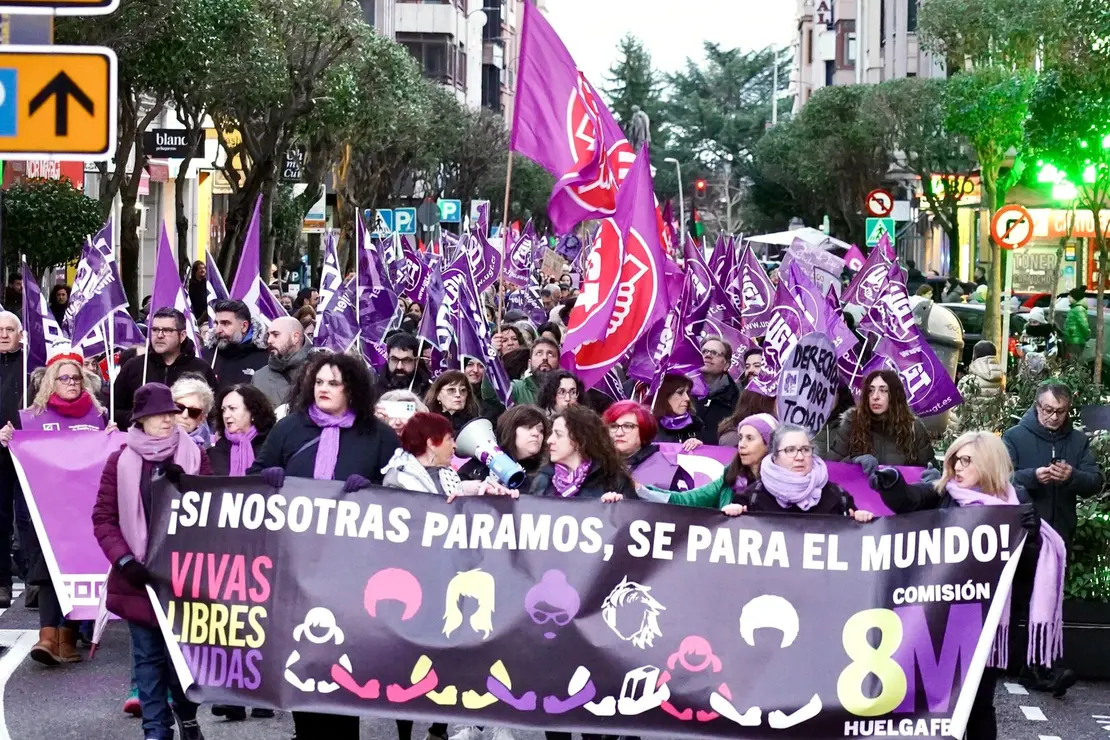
<point x="45" y="650"/>
<point x="67" y="646"/>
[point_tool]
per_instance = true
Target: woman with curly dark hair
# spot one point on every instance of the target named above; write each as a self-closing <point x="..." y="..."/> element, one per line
<point x="450" y="396"/>
<point x="560" y="389"/>
<point x="244" y="421"/>
<point x="521" y="433"/>
<point x="331" y="433"/>
<point x="674" y="411"/>
<point x="583" y="461"/>
<point x="881" y="429"/>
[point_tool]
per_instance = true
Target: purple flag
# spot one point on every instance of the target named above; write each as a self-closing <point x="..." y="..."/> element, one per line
<point x="843" y="338"/>
<point x="484" y="259"/>
<point x="719" y="260"/>
<point x="561" y="123"/>
<point x="250" y="259"/>
<point x="217" y="290"/>
<point x="670" y="233"/>
<point x="481" y="222"/>
<point x="756" y="292"/>
<point x="379" y="311"/>
<point x="788" y="325"/>
<point x="269" y="308"/>
<point x="698" y="272"/>
<point x="43" y="335"/>
<point x="167" y="291"/>
<point x="569" y="247"/>
<point x="667" y="349"/>
<point x="336" y="326"/>
<point x="371" y="266"/>
<point x="929" y="388"/>
<point x="640" y="284"/>
<point x="97" y="290"/>
<point x="429" y="329"/>
<point x="869" y="281"/>
<point x="518" y="263"/>
<point x="331" y="277"/>
<point x="886" y="248"/>
<point x="854" y="259"/>
<point x="127" y="334"/>
<point x="474" y="341"/>
<point x="413" y="274"/>
<point x="597" y="297"/>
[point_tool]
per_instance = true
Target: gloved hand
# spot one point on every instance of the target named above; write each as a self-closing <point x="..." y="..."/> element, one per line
<point x="173" y="472"/>
<point x="354" y="483"/>
<point x="273" y="477"/>
<point x="136" y="574"/>
<point x="867" y="462"/>
<point x="930" y="475"/>
<point x="884" y="478"/>
<point x="1031" y="520"/>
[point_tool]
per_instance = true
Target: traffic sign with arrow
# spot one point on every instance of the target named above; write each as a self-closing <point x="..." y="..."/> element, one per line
<point x="57" y="102"/>
<point x="1012" y="227"/>
<point x="879" y="203"/>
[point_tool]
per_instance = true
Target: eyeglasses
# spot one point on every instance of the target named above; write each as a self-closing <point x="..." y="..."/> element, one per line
<point x="453" y="391"/>
<point x="795" y="451"/>
<point x="711" y="353"/>
<point x="623" y="428"/>
<point x="402" y="362"/>
<point x="193" y="413"/>
<point x="161" y="331"/>
<point x="567" y="393"/>
<point x="961" y="461"/>
<point x="70" y="379"/>
<point x="1051" y="412"/>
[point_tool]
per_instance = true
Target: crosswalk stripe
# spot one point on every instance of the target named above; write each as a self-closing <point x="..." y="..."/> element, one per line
<point x="1034" y="714"/>
<point x="19" y="644"/>
<point x="1016" y="688"/>
<point x="1048" y="737"/>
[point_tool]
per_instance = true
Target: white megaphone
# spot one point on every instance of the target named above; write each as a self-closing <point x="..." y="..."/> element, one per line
<point x="477" y="440"/>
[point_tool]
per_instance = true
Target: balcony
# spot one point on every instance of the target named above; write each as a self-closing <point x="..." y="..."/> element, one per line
<point x="437" y="18"/>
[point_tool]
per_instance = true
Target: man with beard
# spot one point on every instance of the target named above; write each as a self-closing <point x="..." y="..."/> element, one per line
<point x="288" y="354"/>
<point x="240" y="345"/>
<point x="543" y="359"/>
<point x="171" y="355"/>
<point x="402" y="365"/>
<point x="753" y="363"/>
<point x="723" y="393"/>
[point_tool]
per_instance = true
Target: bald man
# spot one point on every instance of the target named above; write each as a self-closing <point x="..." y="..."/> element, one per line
<point x="288" y="354"/>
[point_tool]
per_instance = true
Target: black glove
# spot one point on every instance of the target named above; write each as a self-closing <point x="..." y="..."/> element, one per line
<point x="1031" y="521"/>
<point x="867" y="462"/>
<point x="136" y="574"/>
<point x="354" y="483"/>
<point x="884" y="478"/>
<point x="274" y="477"/>
<point x="173" y="472"/>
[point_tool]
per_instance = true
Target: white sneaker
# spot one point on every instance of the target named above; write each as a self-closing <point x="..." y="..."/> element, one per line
<point x="467" y="732"/>
<point x="501" y="733"/>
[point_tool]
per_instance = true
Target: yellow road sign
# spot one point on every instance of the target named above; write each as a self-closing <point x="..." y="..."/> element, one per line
<point x="58" y="7"/>
<point x="57" y="102"/>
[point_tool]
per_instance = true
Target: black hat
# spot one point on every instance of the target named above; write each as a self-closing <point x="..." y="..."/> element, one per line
<point x="153" y="399"/>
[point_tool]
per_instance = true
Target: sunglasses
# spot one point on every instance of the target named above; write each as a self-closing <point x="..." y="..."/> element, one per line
<point x="192" y="412"/>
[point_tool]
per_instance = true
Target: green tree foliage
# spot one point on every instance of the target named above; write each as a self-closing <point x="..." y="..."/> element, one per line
<point x="48" y="221"/>
<point x="531" y="189"/>
<point x="982" y="33"/>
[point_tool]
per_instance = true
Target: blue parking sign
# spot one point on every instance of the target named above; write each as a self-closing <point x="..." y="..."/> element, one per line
<point x="9" y="103"/>
<point x="404" y="220"/>
<point x="450" y="211"/>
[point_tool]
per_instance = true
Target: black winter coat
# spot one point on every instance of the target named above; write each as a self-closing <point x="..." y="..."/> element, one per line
<point x="1032" y="446"/>
<point x="219" y="454"/>
<point x="237" y="363"/>
<point x="593" y="487"/>
<point x="364" y="449"/>
<point x="883" y="446"/>
<point x="717" y="406"/>
<point x="691" y="431"/>
<point x="130" y="377"/>
<point x="835" y="501"/>
<point x="11" y="387"/>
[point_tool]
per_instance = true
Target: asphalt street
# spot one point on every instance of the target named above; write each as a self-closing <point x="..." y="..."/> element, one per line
<point x="84" y="701"/>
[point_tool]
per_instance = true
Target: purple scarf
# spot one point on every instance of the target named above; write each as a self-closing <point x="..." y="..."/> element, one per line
<point x="793" y="489"/>
<point x="242" y="451"/>
<point x="327" y="453"/>
<point x="129" y="474"/>
<point x="676" y="423"/>
<point x="568" y="483"/>
<point x="1046" y="605"/>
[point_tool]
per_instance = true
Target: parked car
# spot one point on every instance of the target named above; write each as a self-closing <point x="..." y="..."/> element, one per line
<point x="971" y="316"/>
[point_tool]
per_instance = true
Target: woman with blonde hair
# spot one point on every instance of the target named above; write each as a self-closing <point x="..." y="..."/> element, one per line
<point x="977" y="472"/>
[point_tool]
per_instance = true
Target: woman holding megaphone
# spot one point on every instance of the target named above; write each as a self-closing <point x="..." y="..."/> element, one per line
<point x="520" y="433"/>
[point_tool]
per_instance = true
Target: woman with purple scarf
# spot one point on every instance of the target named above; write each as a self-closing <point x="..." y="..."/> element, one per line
<point x="673" y="409"/>
<point x="978" y="472"/>
<point x="331" y="433"/>
<point x="583" y="461"/>
<point x="155" y="447"/>
<point x="794" y="480"/>
<point x="65" y="402"/>
<point x="194" y="400"/>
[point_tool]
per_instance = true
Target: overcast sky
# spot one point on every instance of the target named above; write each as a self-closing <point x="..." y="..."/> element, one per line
<point x="672" y="30"/>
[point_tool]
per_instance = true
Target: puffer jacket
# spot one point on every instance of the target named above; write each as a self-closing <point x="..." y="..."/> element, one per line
<point x="1032" y="446"/>
<point x="983" y="379"/>
<point x="1077" y="329"/>
<point x="237" y="363"/>
<point x="405" y="471"/>
<point x="883" y="447"/>
<point x="280" y="374"/>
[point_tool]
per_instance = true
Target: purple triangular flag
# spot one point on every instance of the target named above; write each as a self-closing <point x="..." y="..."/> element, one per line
<point x="97" y="289"/>
<point x="167" y="291"/>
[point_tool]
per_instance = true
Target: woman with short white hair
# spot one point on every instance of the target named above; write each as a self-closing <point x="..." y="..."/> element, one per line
<point x="194" y="399"/>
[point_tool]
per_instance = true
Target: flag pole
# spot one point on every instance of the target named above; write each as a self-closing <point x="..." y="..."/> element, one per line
<point x="111" y="367"/>
<point x="359" y="236"/>
<point x="504" y="241"/>
<point x="419" y="352"/>
<point x="22" y="262"/>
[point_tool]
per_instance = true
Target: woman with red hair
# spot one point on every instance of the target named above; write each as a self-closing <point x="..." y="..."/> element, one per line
<point x="633" y="427"/>
<point x="423" y="462"/>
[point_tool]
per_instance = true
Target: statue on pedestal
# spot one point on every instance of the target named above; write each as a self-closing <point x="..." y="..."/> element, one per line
<point x="639" y="129"/>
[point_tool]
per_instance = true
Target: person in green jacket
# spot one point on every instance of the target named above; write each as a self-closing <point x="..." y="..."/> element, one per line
<point x="543" y="359"/>
<point x="755" y="442"/>
<point x="1077" y="330"/>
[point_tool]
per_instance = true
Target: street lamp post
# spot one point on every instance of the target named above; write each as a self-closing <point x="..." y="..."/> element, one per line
<point x="681" y="203"/>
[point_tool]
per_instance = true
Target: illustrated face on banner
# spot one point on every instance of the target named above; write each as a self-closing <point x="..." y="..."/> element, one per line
<point x="552" y="603"/>
<point x="753" y="299"/>
<point x="873" y="282"/>
<point x="480" y="587"/>
<point x="632" y="613"/>
<point x="780" y="336"/>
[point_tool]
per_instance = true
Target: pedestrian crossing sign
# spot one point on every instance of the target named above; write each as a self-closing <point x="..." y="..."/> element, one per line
<point x="877" y="228"/>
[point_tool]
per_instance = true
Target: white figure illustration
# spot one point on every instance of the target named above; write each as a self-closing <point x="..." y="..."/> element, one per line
<point x="633" y="613"/>
<point x="319" y="628"/>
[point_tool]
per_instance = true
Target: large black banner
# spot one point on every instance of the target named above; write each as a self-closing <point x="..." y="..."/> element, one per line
<point x="628" y="618"/>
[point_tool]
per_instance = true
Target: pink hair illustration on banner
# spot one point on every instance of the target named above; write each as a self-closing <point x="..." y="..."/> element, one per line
<point x="393" y="584"/>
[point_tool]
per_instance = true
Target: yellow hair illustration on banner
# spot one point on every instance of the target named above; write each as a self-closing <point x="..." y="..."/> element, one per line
<point x="478" y="585"/>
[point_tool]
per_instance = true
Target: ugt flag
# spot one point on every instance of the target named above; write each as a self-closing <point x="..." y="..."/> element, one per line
<point x="97" y="289"/>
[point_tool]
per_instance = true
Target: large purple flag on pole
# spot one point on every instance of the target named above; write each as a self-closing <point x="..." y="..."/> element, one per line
<point x="816" y="307"/>
<point x="42" y="330"/>
<point x="561" y="123"/>
<point x="250" y="259"/>
<point x="429" y="329"/>
<point x="167" y="291"/>
<point x="667" y="349"/>
<point x="97" y="289"/>
<point x="788" y="325"/>
<point x="518" y="259"/>
<point x="756" y="293"/>
<point x="336" y="326"/>
<point x="217" y="289"/>
<point x="484" y="259"/>
<point x="413" y="274"/>
<point x="854" y="259"/>
<point x="869" y="281"/>
<point x="331" y="277"/>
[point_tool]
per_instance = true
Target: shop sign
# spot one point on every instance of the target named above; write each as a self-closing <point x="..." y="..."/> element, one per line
<point x="1053" y="223"/>
<point x="970" y="188"/>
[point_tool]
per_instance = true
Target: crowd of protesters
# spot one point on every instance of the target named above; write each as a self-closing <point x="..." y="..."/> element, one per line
<point x="258" y="400"/>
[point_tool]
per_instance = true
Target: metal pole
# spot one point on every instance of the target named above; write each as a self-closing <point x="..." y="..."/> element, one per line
<point x="1004" y="350"/>
<point x="111" y="367"/>
<point x="861" y="22"/>
<point x="774" y="87"/>
<point x="681" y="203"/>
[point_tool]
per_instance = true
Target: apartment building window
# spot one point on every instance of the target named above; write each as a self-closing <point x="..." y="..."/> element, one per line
<point x="491" y="88"/>
<point x="850" y="48"/>
<point x="439" y="59"/>
<point x="809" y="46"/>
<point x="911" y="16"/>
<point x="460" y="68"/>
<point x="492" y="30"/>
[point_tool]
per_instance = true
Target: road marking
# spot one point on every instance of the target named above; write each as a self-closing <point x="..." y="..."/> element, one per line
<point x="1016" y="688"/>
<point x="19" y="644"/>
<point x="1034" y="714"/>
<point x="1048" y="737"/>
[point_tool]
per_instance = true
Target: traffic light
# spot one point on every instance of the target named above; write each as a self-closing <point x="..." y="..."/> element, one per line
<point x="700" y="186"/>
